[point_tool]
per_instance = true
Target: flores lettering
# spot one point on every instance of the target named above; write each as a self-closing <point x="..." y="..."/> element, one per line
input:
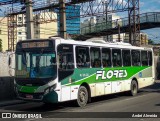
<point x="111" y="73"/>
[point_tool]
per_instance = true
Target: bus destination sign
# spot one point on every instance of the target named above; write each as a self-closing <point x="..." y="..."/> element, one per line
<point x="35" y="44"/>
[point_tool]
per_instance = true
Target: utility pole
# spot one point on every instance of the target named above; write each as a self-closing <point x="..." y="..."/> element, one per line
<point x="130" y="28"/>
<point x="134" y="22"/>
<point x="119" y="33"/>
<point x="29" y="19"/>
<point x="106" y="4"/>
<point x="62" y="14"/>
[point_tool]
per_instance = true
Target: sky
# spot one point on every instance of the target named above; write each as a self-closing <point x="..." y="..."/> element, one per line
<point x="145" y="6"/>
<point x="151" y="6"/>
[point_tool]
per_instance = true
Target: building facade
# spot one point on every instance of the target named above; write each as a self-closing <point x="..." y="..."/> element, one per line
<point x="21" y="27"/>
<point x="72" y="20"/>
<point x="3" y="33"/>
<point x="45" y="29"/>
<point x="142" y="38"/>
<point x="42" y="30"/>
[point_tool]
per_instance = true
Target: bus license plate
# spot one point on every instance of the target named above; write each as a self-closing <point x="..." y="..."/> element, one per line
<point x="29" y="96"/>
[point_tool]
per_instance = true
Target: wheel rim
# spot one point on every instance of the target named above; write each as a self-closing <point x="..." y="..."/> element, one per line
<point x="134" y="88"/>
<point x="82" y="97"/>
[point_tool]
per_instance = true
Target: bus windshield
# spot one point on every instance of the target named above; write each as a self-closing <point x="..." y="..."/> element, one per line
<point x="35" y="64"/>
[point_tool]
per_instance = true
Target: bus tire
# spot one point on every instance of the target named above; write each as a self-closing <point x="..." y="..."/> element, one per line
<point x="83" y="97"/>
<point x="134" y="88"/>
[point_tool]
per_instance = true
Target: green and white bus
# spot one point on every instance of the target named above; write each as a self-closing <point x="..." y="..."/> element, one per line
<point x="56" y="70"/>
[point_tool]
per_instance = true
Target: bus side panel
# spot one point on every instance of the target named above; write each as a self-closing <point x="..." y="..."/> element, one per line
<point x="108" y="87"/>
<point x="74" y="92"/>
<point x="117" y="86"/>
<point x="93" y="89"/>
<point x="127" y="85"/>
<point x="99" y="89"/>
<point x="65" y="93"/>
<point x="145" y="77"/>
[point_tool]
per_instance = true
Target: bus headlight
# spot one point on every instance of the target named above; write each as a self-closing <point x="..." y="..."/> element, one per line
<point x="53" y="87"/>
<point x="49" y="89"/>
<point x="46" y="91"/>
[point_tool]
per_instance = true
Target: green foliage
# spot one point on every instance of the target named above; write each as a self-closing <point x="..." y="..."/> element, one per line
<point x="150" y="42"/>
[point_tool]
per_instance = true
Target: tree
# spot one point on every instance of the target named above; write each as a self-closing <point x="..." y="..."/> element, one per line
<point x="150" y="42"/>
<point x="1" y="45"/>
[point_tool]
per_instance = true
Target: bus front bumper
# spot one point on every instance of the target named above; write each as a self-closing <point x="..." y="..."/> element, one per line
<point x="30" y="97"/>
<point x="51" y="97"/>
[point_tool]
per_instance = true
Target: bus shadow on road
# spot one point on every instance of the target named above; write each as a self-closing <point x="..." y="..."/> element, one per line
<point x="63" y="106"/>
<point x="153" y="88"/>
<point x="157" y="104"/>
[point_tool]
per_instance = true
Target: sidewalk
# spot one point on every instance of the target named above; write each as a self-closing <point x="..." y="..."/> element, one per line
<point x="11" y="102"/>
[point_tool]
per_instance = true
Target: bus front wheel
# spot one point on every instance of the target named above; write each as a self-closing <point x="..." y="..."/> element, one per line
<point x="134" y="88"/>
<point x="82" y="98"/>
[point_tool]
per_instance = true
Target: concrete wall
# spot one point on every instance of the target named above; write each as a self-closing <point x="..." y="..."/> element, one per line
<point x="4" y="33"/>
<point x="7" y="76"/>
<point x="7" y="88"/>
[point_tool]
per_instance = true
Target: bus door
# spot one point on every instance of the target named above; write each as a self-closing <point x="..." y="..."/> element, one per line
<point x="65" y="69"/>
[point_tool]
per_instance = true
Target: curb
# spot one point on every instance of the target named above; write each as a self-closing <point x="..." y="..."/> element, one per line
<point x="11" y="102"/>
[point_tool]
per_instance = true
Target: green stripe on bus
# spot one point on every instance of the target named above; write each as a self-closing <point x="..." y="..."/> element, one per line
<point x="27" y="89"/>
<point x="131" y="71"/>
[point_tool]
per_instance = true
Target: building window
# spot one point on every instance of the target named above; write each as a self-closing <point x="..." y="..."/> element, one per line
<point x="37" y="32"/>
<point x="19" y="33"/>
<point x="19" y="18"/>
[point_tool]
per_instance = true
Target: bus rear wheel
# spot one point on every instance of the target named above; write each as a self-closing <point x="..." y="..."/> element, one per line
<point x="134" y="88"/>
<point x="82" y="98"/>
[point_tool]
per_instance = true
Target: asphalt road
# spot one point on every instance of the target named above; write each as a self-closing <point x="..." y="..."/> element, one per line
<point x="147" y="100"/>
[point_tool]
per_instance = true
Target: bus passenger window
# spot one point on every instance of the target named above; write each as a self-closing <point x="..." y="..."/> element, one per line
<point x="126" y="57"/>
<point x="136" y="58"/>
<point x="65" y="56"/>
<point x="144" y="58"/>
<point x="150" y="58"/>
<point x="106" y="57"/>
<point x="65" y="61"/>
<point x="82" y="57"/>
<point x="116" y="57"/>
<point x="95" y="57"/>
